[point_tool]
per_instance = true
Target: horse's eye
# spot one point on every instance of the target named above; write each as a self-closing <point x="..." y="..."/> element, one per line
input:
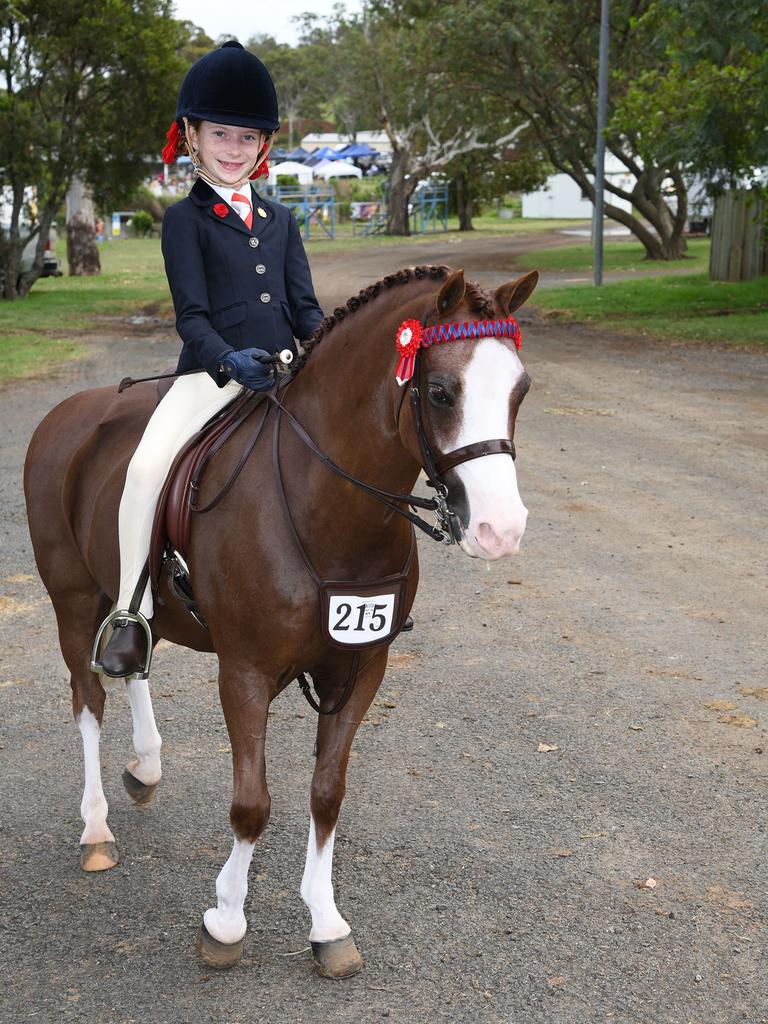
<point x="439" y="396"/>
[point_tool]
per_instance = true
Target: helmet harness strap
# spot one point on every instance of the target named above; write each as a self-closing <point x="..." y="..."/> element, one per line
<point x="206" y="175"/>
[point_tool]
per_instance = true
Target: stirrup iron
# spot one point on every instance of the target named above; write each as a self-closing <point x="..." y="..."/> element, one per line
<point x="110" y="620"/>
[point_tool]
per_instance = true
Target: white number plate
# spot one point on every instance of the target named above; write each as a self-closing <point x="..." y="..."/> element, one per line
<point x="360" y="620"/>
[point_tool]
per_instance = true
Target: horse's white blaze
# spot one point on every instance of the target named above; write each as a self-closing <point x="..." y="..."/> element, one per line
<point x="93" y="808"/>
<point x="497" y="515"/>
<point x="317" y="890"/>
<point x="227" y="921"/>
<point x="146" y="739"/>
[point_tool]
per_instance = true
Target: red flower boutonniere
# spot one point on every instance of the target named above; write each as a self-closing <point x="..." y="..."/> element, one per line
<point x="408" y="341"/>
<point x="221" y="209"/>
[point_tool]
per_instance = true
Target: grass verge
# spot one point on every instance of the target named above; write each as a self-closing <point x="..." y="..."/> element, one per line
<point x="676" y="307"/>
<point x="617" y="256"/>
<point x="42" y="330"/>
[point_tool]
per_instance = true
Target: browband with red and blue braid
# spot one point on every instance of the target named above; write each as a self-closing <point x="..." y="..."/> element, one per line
<point x="471" y="329"/>
<point x="411" y="336"/>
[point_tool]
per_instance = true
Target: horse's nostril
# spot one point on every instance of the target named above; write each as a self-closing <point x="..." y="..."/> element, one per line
<point x="495" y="544"/>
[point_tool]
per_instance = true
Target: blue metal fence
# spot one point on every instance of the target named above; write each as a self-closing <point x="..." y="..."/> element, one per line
<point x="313" y="208"/>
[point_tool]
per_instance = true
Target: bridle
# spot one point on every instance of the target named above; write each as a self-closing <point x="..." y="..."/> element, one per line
<point x="448" y="528"/>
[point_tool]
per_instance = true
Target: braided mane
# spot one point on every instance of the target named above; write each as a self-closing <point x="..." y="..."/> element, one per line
<point x="479" y="301"/>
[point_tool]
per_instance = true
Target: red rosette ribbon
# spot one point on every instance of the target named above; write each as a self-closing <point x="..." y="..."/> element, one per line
<point x="170" y="152"/>
<point x="221" y="209"/>
<point x="408" y="342"/>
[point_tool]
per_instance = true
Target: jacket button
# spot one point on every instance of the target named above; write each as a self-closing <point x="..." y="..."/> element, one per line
<point x="265" y="296"/>
<point x="253" y="242"/>
<point x="260" y="268"/>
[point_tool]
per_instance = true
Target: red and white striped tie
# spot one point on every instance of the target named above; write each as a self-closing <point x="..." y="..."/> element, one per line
<point x="243" y="207"/>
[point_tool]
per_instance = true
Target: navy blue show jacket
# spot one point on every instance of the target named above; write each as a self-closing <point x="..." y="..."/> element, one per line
<point x="235" y="287"/>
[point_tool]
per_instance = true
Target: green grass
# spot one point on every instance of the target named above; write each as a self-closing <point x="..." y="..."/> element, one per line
<point x="617" y="256"/>
<point x="487" y="226"/>
<point x="42" y="330"/>
<point x="674" y="307"/>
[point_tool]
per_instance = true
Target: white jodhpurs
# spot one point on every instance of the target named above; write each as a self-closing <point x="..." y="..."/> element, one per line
<point x="190" y="403"/>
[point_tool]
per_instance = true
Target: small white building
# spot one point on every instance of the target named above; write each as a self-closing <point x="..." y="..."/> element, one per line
<point x="562" y="199"/>
<point x="376" y="140"/>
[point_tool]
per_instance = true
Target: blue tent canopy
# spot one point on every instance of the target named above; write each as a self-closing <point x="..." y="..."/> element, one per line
<point x="297" y="154"/>
<point x="355" y="150"/>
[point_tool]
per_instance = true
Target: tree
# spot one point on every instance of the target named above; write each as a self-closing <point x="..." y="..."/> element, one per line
<point x="544" y="59"/>
<point x="89" y="92"/>
<point x="707" y="106"/>
<point x="294" y="71"/>
<point x="411" y="71"/>
<point x="483" y="176"/>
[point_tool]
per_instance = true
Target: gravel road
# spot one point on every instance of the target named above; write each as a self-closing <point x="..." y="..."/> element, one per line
<point x="618" y="876"/>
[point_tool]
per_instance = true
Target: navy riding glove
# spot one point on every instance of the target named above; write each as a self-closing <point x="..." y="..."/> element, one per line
<point x="246" y="368"/>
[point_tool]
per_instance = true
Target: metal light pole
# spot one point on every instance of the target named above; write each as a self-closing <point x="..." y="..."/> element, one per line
<point x="602" y="105"/>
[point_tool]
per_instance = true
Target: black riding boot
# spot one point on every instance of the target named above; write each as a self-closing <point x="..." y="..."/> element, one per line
<point x="407" y="625"/>
<point x="126" y="651"/>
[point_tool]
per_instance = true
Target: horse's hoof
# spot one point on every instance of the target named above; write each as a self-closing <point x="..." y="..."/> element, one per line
<point x="217" y="954"/>
<point x="138" y="791"/>
<point x="337" y="959"/>
<point x="98" y="856"/>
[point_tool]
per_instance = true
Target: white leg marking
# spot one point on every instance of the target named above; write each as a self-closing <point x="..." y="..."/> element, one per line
<point x="497" y="515"/>
<point x="317" y="891"/>
<point x="93" y="809"/>
<point x="146" y="739"/>
<point x="227" y="922"/>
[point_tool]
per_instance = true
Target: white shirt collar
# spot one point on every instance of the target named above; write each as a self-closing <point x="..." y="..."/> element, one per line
<point x="226" y="193"/>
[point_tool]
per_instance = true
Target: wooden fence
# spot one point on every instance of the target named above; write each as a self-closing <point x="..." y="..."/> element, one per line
<point x="739" y="237"/>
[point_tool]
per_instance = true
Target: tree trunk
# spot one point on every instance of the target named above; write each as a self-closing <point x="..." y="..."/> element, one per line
<point x="82" y="251"/>
<point x="464" y="202"/>
<point x="663" y="235"/>
<point x="400" y="191"/>
<point x="25" y="280"/>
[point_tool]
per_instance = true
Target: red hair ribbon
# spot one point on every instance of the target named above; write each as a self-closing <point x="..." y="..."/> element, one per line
<point x="171" y="151"/>
<point x="411" y="336"/>
<point x="262" y="172"/>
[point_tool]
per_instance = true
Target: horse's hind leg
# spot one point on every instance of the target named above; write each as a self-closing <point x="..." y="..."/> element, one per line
<point x="79" y="615"/>
<point x="333" y="949"/>
<point x="142" y="773"/>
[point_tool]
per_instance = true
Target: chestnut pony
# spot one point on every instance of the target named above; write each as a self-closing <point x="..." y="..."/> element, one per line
<point x="253" y="586"/>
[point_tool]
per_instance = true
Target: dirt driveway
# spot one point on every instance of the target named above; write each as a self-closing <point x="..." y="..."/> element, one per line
<point x="619" y="876"/>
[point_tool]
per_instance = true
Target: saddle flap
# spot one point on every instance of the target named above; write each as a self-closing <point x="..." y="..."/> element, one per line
<point x="172" y="522"/>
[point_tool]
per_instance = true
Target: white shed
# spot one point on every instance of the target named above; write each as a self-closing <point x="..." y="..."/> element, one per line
<point x="561" y="197"/>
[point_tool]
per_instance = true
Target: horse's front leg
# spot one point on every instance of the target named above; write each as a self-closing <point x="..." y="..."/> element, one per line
<point x="142" y="773"/>
<point x="334" y="952"/>
<point x="245" y="697"/>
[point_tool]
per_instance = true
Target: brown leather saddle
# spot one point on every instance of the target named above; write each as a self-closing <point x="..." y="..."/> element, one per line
<point x="178" y="498"/>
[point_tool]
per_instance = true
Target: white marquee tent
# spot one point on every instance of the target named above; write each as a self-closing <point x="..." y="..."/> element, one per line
<point x="337" y="169"/>
<point x="292" y="169"/>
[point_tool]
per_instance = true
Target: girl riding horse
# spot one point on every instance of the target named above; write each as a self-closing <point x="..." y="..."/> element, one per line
<point x="238" y="275"/>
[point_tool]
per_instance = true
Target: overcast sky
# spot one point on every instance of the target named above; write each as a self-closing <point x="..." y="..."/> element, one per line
<point x="246" y="18"/>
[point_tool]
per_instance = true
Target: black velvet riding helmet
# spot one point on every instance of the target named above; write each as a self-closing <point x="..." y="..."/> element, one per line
<point x="229" y="86"/>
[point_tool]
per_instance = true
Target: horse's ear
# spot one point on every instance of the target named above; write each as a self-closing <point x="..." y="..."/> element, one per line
<point x="513" y="294"/>
<point x="451" y="294"/>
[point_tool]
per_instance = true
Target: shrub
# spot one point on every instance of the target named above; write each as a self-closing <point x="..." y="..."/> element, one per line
<point x="142" y="223"/>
